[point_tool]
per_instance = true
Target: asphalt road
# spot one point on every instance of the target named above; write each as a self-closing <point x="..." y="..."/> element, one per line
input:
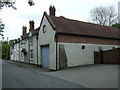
<point x="19" y="77"/>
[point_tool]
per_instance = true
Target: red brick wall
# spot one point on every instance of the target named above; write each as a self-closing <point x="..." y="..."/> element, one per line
<point x="85" y="39"/>
<point x="112" y="56"/>
<point x="109" y="57"/>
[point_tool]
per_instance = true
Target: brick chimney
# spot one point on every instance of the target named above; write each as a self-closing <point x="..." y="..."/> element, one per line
<point x="52" y="10"/>
<point x="31" y="23"/>
<point x="24" y="30"/>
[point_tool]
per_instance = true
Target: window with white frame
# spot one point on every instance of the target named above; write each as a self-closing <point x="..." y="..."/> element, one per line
<point x="31" y="40"/>
<point x="31" y="53"/>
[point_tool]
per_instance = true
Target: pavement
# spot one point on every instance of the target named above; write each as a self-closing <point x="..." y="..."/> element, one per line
<point x="90" y="76"/>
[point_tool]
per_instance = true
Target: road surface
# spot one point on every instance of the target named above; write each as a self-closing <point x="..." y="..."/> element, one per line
<point x="19" y="77"/>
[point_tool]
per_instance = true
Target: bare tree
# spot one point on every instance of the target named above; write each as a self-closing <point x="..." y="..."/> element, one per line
<point x="103" y="15"/>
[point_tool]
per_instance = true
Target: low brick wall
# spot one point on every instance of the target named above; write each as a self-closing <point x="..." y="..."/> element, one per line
<point x="108" y="57"/>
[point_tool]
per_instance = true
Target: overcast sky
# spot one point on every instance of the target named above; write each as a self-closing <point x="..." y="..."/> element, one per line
<point x="73" y="9"/>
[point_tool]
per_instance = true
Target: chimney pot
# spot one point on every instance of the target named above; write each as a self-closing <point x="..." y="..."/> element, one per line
<point x="24" y="28"/>
<point x="31" y="25"/>
<point x="52" y="10"/>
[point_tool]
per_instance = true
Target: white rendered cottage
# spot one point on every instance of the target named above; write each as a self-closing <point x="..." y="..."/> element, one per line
<point x="15" y="50"/>
<point x="66" y="43"/>
<point x="29" y="44"/>
<point x="26" y="48"/>
<point x="60" y="42"/>
<point x="24" y="56"/>
<point x="33" y="44"/>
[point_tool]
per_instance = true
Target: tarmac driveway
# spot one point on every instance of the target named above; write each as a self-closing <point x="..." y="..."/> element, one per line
<point x="90" y="76"/>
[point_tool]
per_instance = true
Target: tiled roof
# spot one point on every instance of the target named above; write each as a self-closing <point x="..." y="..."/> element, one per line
<point x="69" y="26"/>
<point x="25" y="36"/>
<point x="34" y="32"/>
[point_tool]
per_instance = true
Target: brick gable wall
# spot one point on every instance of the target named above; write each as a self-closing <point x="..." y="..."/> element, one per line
<point x="84" y="39"/>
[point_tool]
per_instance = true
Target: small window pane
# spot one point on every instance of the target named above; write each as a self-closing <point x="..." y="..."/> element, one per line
<point x="31" y="53"/>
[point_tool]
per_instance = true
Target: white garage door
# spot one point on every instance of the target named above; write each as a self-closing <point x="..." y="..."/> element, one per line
<point x="45" y="56"/>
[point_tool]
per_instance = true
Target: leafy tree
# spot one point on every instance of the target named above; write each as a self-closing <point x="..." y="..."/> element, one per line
<point x="5" y="50"/>
<point x="11" y="42"/>
<point x="116" y="25"/>
<point x="103" y="15"/>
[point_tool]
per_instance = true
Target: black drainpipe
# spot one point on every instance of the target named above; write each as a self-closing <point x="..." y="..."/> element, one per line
<point x="56" y="51"/>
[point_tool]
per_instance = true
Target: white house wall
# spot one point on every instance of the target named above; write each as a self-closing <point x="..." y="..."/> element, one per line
<point x="24" y="44"/>
<point x="26" y="47"/>
<point x="15" y="52"/>
<point x="18" y="51"/>
<point x="21" y="54"/>
<point x="34" y="47"/>
<point x="11" y="52"/>
<point x="47" y="38"/>
<point x="12" y="55"/>
<point x="76" y="56"/>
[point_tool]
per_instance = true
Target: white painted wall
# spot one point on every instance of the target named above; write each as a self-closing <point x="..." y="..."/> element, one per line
<point x="34" y="47"/>
<point x="11" y="52"/>
<point x="45" y="39"/>
<point x="21" y="54"/>
<point x="18" y="51"/>
<point x="15" y="52"/>
<point x="76" y="56"/>
<point x="24" y="44"/>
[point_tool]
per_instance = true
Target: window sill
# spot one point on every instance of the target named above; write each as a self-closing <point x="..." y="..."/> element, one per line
<point x="31" y="59"/>
<point x="31" y="43"/>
